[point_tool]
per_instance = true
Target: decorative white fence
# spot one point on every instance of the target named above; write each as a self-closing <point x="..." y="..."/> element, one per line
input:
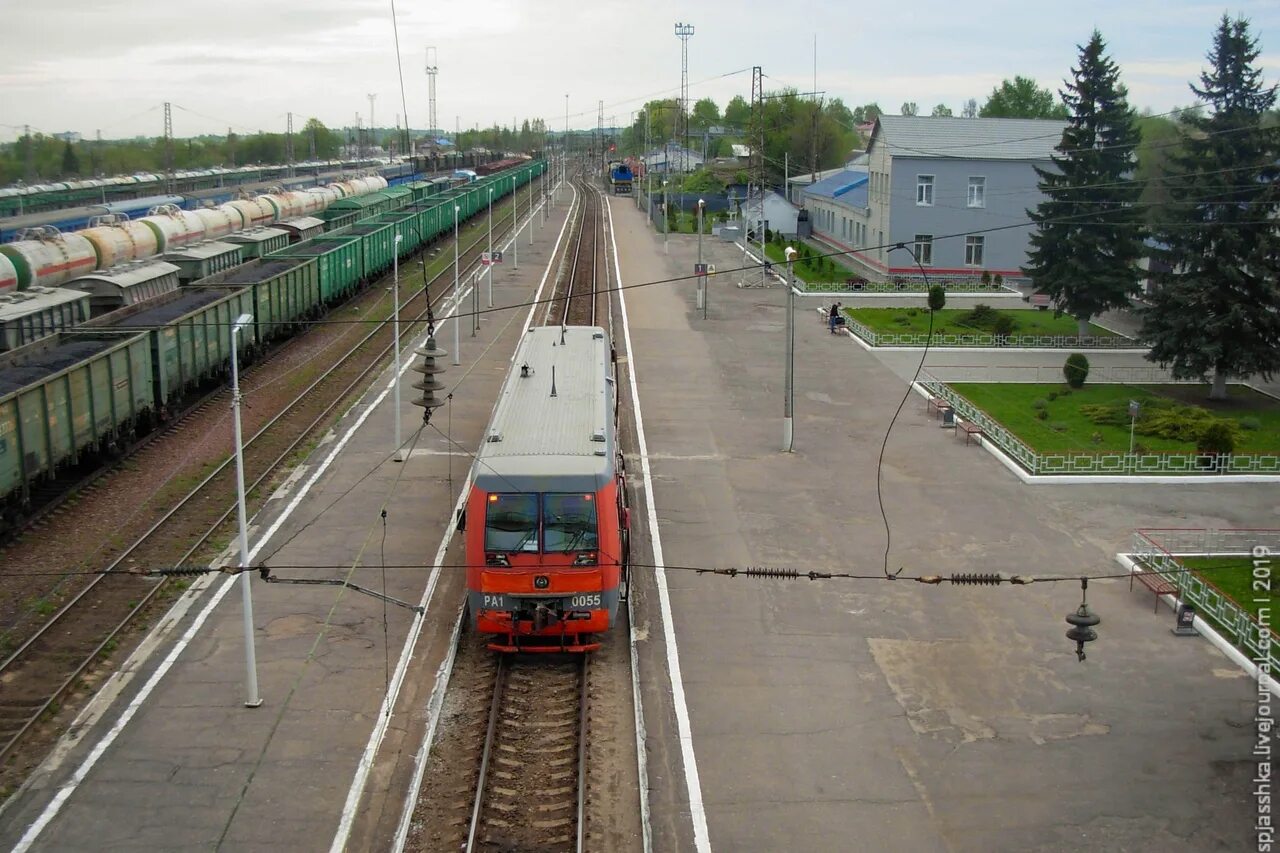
<point x="1098" y="462"/>
<point x="1040" y="373"/>
<point x="910" y="288"/>
<point x="1160" y="551"/>
<point x="986" y="339"/>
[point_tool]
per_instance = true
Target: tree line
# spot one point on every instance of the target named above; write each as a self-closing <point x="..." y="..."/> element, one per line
<point x="39" y="157"/>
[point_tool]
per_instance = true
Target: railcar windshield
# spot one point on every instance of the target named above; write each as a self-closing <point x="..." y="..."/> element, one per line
<point x="511" y="523"/>
<point x="569" y="523"/>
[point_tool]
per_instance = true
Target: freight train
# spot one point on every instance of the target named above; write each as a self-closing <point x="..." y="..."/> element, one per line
<point x="34" y="198"/>
<point x="546" y="524"/>
<point x="89" y="388"/>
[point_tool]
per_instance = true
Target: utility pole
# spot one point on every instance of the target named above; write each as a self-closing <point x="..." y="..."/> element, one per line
<point x="288" y="144"/>
<point x="373" y="133"/>
<point x="684" y="32"/>
<point x="432" y="69"/>
<point x="29" y="162"/>
<point x="600" y="135"/>
<point x="648" y="173"/>
<point x="755" y="138"/>
<point x="168" y="147"/>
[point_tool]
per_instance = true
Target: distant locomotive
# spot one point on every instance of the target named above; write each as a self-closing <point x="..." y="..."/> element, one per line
<point x="546" y="524"/>
<point x="620" y="178"/>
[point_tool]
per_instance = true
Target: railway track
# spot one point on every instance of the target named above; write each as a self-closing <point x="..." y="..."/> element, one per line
<point x="48" y="664"/>
<point x="531" y="788"/>
<point x="576" y="302"/>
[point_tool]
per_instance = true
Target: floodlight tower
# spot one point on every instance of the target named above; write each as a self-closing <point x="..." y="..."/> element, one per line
<point x="684" y="32"/>
<point x="432" y="68"/>
<point x="373" y="132"/>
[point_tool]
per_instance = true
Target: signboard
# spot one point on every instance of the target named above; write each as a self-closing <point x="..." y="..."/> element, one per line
<point x="700" y="269"/>
<point x="1134" y="407"/>
<point x="487" y="258"/>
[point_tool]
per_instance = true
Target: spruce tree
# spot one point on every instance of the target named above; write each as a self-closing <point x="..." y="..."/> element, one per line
<point x="1088" y="238"/>
<point x="1217" y="310"/>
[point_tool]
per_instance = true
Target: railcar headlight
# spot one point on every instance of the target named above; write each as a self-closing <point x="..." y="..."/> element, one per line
<point x="541" y="582"/>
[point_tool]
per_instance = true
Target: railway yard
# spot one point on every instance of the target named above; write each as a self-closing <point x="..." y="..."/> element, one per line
<point x="720" y="711"/>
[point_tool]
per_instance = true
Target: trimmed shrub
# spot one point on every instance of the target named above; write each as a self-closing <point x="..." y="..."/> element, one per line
<point x="1058" y="426"/>
<point x="986" y="278"/>
<point x="1003" y="326"/>
<point x="998" y="280"/>
<point x="1217" y="437"/>
<point x="1042" y="414"/>
<point x="1076" y="369"/>
<point x="937" y="298"/>
<point x="1250" y="423"/>
<point x="1096" y="437"/>
<point x="1052" y="395"/>
<point x="1040" y="404"/>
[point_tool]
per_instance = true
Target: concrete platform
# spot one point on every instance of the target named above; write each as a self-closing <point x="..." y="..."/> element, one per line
<point x="176" y="762"/>
<point x="890" y="715"/>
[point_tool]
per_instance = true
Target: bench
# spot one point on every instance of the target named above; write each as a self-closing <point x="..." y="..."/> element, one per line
<point x="972" y="432"/>
<point x="1155" y="582"/>
<point x="937" y="404"/>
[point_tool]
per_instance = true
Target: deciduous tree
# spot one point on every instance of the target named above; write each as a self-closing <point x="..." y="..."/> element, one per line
<point x="1022" y="98"/>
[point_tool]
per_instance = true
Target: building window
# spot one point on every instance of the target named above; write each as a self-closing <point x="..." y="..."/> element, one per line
<point x="924" y="249"/>
<point x="973" y="251"/>
<point x="977" y="192"/>
<point x="924" y="189"/>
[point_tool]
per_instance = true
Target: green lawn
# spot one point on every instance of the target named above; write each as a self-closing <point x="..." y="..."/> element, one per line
<point x="807" y="271"/>
<point x="1067" y="429"/>
<point x="1234" y="576"/>
<point x="916" y="321"/>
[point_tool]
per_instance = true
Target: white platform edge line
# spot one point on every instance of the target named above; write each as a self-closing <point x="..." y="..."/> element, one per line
<point x="435" y="703"/>
<point x="361" y="778"/>
<point x="701" y="838"/>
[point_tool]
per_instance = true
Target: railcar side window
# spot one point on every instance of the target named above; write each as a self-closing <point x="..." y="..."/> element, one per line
<point x="569" y="523"/>
<point x="511" y="523"/>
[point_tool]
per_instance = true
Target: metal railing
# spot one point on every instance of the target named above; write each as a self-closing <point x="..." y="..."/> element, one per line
<point x="1160" y="551"/>
<point x="1097" y="462"/>
<point x="986" y="339"/>
<point x="910" y="288"/>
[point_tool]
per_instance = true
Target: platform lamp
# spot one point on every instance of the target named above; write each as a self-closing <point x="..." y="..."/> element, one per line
<point x="253" y="700"/>
<point x="702" y="280"/>
<point x="457" y="302"/>
<point x="398" y="456"/>
<point x="789" y="392"/>
<point x="490" y="247"/>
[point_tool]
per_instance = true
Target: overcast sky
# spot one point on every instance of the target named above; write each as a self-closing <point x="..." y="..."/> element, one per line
<point x="86" y="65"/>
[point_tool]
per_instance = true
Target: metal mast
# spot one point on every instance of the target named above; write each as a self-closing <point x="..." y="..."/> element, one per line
<point x="288" y="143"/>
<point x="373" y="138"/>
<point x="600" y="136"/>
<point x="168" y="148"/>
<point x="755" y="138"/>
<point x="684" y="32"/>
<point x="432" y="68"/>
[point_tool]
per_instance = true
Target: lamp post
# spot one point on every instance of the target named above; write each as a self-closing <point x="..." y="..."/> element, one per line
<point x="789" y="394"/>
<point x="250" y="655"/>
<point x="490" y="247"/>
<point x="666" y="218"/>
<point x="398" y="456"/>
<point x="564" y="170"/>
<point x="702" y="279"/>
<point x="530" y="185"/>
<point x="457" y="304"/>
<point x="1134" y="408"/>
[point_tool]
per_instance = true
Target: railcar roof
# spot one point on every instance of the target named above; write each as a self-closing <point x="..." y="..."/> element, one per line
<point x="537" y="436"/>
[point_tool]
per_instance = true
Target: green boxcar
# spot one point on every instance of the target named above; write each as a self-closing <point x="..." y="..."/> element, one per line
<point x="338" y="262"/>
<point x="376" y="245"/>
<point x="362" y="206"/>
<point x="259" y="241"/>
<point x="64" y="394"/>
<point x="407" y="226"/>
<point x="420" y="190"/>
<point x="285" y="290"/>
<point x="397" y="198"/>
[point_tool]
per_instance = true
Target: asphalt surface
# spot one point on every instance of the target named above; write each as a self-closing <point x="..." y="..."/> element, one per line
<point x="890" y="715"/>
